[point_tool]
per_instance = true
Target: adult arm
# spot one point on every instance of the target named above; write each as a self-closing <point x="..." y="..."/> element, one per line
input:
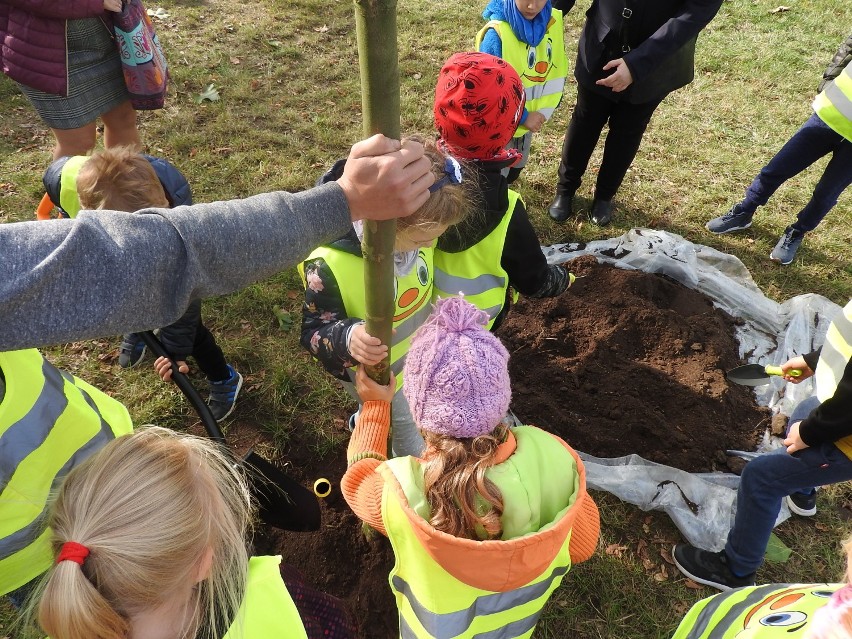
<point x="67" y="10"/>
<point x="107" y="272"/>
<point x="671" y="36"/>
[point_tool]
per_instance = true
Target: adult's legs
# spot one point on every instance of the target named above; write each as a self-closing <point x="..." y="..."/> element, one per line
<point x="627" y="124"/>
<point x="835" y="179"/>
<point x="765" y="482"/>
<point x="590" y="114"/>
<point x="811" y="142"/>
<point x="120" y="126"/>
<point x="74" y="141"/>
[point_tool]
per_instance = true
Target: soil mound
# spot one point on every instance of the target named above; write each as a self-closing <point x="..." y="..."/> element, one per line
<point x="625" y="362"/>
<point x="630" y="362"/>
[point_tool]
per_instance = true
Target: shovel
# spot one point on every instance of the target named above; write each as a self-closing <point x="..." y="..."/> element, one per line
<point x="757" y="375"/>
<point x="282" y="502"/>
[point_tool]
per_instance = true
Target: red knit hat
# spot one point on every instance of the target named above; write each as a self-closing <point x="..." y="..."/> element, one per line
<point x="479" y="101"/>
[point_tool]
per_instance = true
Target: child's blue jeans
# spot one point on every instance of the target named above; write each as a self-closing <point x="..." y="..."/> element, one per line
<point x="810" y="143"/>
<point x="766" y="481"/>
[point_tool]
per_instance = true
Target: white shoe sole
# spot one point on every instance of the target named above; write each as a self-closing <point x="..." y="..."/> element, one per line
<point x="732" y="230"/>
<point x="801" y="512"/>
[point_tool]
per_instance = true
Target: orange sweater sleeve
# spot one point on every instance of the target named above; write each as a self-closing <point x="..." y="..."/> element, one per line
<point x="586" y="530"/>
<point x="362" y="484"/>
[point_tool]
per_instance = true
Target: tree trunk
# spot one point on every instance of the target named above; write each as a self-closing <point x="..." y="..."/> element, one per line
<point x="375" y="22"/>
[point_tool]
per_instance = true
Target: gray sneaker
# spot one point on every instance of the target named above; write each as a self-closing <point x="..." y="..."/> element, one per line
<point x="733" y="220"/>
<point x="785" y="250"/>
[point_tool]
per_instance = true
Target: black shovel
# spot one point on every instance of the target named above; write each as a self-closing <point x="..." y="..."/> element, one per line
<point x="757" y="375"/>
<point x="282" y="502"/>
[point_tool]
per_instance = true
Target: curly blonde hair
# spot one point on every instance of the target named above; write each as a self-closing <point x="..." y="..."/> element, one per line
<point x="119" y="179"/>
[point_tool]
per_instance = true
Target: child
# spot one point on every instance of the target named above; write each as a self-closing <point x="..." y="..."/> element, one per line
<point x="50" y="421"/>
<point x="528" y="34"/>
<point x="497" y="247"/>
<point x="150" y="540"/>
<point x="120" y="179"/>
<point x="332" y="316"/>
<point x="809" y="611"/>
<point x="827" y="131"/>
<point x="818" y="452"/>
<point x="60" y="184"/>
<point x="488" y="522"/>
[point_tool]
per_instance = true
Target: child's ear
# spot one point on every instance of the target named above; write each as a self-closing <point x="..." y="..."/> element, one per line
<point x="205" y="565"/>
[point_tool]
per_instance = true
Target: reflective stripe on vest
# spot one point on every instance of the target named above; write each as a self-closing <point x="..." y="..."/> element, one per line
<point x="767" y="611"/>
<point x="49" y="422"/>
<point x="69" y="200"/>
<point x="413" y="294"/>
<point x="267" y="610"/>
<point x="477" y="272"/>
<point x="834" y="104"/>
<point x="432" y="603"/>
<point x="833" y="358"/>
<point x="543" y="87"/>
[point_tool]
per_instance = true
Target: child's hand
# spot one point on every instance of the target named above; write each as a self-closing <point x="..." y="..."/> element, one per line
<point x="163" y="366"/>
<point x="365" y="348"/>
<point x="535" y="120"/>
<point x="793" y="442"/>
<point x="370" y="391"/>
<point x="799" y="363"/>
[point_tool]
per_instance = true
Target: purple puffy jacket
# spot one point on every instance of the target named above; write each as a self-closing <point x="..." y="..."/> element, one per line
<point x="32" y="40"/>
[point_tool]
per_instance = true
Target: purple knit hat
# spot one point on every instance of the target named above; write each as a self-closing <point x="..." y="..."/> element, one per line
<point x="456" y="373"/>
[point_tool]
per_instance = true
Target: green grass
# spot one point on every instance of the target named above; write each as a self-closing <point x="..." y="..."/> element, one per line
<point x="287" y="75"/>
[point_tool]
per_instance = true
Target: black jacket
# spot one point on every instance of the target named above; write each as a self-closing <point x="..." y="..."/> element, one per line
<point x="832" y="419"/>
<point x="838" y="63"/>
<point x="657" y="42"/>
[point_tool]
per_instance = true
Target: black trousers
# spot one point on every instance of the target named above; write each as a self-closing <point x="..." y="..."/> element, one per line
<point x="208" y="355"/>
<point x="627" y="124"/>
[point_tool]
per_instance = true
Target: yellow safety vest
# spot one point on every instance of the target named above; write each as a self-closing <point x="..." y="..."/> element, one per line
<point x="432" y="603"/>
<point x="69" y="200"/>
<point x="267" y="610"/>
<point x="477" y="272"/>
<point x="833" y="359"/>
<point x="759" y="612"/>
<point x="542" y="69"/>
<point x="834" y="104"/>
<point x="413" y="294"/>
<point x="50" y="421"/>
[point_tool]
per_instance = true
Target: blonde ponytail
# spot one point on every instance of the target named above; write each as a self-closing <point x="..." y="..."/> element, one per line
<point x="464" y="502"/>
<point x="148" y="507"/>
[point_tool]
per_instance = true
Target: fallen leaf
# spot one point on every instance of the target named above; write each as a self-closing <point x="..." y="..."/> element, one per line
<point x="648" y="564"/>
<point x="235" y="61"/>
<point x="667" y="556"/>
<point x="749" y="241"/>
<point x="776" y="550"/>
<point x="321" y="29"/>
<point x="254" y="85"/>
<point x="691" y="584"/>
<point x="821" y="527"/>
<point x="274" y="43"/>
<point x="294" y="295"/>
<point x="417" y="76"/>
<point x="780" y="9"/>
<point x="615" y="550"/>
<point x="210" y="93"/>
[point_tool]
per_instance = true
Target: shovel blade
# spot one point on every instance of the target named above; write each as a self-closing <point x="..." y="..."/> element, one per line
<point x="749" y="375"/>
<point x="282" y="501"/>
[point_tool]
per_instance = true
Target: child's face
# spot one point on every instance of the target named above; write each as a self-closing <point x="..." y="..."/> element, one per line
<point x="415" y="238"/>
<point x="530" y="8"/>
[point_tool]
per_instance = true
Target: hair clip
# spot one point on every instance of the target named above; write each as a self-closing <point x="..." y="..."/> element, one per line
<point x="452" y="174"/>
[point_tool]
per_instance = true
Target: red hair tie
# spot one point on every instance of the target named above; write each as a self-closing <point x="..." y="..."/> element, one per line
<point x="72" y="551"/>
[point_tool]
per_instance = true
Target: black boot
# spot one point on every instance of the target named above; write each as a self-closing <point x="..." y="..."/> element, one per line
<point x="601" y="213"/>
<point x="562" y="207"/>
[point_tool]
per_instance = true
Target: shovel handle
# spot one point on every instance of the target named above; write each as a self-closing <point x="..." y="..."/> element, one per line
<point x="776" y="370"/>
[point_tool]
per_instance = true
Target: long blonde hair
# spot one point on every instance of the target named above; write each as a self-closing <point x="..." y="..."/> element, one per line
<point x="464" y="502"/>
<point x="148" y="506"/>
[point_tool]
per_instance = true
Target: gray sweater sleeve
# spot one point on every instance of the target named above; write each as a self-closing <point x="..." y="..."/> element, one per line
<point x="106" y="272"/>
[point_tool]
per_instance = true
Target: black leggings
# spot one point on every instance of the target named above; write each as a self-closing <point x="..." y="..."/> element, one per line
<point x="627" y="124"/>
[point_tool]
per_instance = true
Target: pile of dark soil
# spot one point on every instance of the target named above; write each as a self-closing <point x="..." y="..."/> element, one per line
<point x="625" y="362"/>
<point x="630" y="362"/>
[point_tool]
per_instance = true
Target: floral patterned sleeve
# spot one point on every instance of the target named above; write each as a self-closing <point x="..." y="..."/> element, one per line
<point x="325" y="326"/>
